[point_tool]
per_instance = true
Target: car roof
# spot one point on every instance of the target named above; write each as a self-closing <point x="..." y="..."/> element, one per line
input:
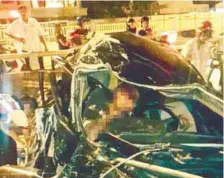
<point x="141" y="56"/>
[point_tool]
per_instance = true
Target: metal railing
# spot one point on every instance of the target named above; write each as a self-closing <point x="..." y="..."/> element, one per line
<point x="40" y="82"/>
<point x="158" y="23"/>
<point x="32" y="55"/>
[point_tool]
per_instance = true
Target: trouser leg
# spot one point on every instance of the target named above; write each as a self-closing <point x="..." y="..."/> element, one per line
<point x="27" y="60"/>
<point x="41" y="80"/>
<point x="41" y="86"/>
<point x="221" y="74"/>
<point x="41" y="63"/>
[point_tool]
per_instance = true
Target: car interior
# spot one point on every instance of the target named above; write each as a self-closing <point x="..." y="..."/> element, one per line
<point x="155" y="117"/>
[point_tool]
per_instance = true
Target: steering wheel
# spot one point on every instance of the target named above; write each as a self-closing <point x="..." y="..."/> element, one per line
<point x="143" y="124"/>
<point x="170" y="123"/>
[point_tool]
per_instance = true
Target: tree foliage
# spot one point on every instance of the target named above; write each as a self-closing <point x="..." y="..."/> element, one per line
<point x="113" y="9"/>
<point x="141" y="8"/>
<point x="105" y="9"/>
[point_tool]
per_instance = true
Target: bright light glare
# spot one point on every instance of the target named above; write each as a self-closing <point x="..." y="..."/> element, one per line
<point x="219" y="10"/>
<point x="14" y="13"/>
<point x="172" y="36"/>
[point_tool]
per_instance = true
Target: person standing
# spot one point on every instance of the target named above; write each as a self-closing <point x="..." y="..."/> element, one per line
<point x="79" y="33"/>
<point x="145" y="30"/>
<point x="197" y="50"/>
<point x="131" y="26"/>
<point x="28" y="35"/>
<point x="61" y="39"/>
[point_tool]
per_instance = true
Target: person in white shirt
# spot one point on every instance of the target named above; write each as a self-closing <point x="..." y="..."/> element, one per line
<point x="197" y="50"/>
<point x="28" y="35"/>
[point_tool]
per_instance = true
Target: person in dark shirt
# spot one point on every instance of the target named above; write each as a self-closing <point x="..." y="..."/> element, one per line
<point x="8" y="150"/>
<point x="61" y="39"/>
<point x="131" y="26"/>
<point x="145" y="29"/>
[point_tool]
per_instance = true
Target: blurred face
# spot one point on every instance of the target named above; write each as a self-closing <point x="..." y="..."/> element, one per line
<point x="81" y="24"/>
<point x="133" y="25"/>
<point x="23" y="12"/>
<point x="27" y="108"/>
<point x="123" y="102"/>
<point x="204" y="37"/>
<point x="145" y="24"/>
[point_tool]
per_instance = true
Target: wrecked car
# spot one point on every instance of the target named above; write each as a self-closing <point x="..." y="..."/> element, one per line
<point x="132" y="108"/>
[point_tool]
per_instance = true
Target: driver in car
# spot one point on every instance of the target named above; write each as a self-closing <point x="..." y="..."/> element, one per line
<point x="122" y="101"/>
